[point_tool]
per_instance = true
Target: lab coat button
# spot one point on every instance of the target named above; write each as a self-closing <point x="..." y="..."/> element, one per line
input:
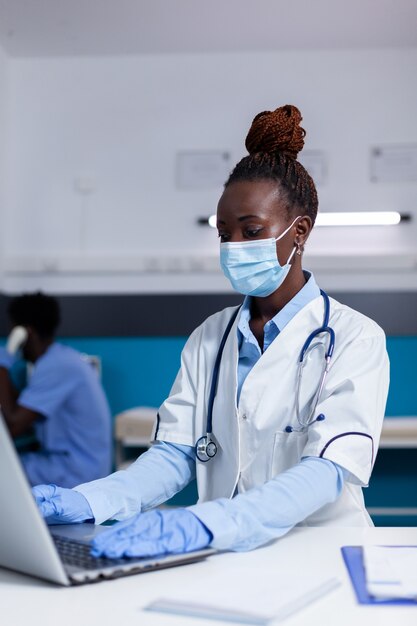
<point x="244" y="417"/>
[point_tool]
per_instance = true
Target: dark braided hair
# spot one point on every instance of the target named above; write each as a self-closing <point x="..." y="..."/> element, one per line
<point x="273" y="142"/>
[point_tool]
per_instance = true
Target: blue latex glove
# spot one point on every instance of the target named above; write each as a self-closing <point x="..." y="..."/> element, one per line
<point x="155" y="532"/>
<point x="62" y="506"/>
<point x="7" y="360"/>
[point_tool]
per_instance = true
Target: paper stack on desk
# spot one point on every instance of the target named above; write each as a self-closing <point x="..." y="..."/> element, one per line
<point x="391" y="572"/>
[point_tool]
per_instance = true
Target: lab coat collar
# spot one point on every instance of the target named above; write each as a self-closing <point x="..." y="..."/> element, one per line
<point x="309" y="292"/>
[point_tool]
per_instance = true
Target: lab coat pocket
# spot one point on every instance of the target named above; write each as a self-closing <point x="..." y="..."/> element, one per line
<point x="287" y="451"/>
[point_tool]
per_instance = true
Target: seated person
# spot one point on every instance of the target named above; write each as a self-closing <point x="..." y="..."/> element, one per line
<point x="62" y="401"/>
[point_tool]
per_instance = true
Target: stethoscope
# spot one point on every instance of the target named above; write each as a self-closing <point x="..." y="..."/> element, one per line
<point x="206" y="447"/>
<point x="307" y="348"/>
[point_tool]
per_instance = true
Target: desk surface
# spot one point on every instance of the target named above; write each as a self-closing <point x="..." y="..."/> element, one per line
<point x="304" y="552"/>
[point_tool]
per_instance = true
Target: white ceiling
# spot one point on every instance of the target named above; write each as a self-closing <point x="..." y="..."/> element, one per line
<point x="116" y="27"/>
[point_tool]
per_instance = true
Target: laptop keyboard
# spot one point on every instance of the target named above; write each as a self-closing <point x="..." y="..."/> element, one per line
<point x="78" y="554"/>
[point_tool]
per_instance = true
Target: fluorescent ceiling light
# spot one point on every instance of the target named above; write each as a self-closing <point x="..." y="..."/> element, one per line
<point x="359" y="218"/>
<point x="353" y="218"/>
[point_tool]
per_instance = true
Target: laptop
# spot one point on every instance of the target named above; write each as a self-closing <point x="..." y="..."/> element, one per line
<point x="59" y="553"/>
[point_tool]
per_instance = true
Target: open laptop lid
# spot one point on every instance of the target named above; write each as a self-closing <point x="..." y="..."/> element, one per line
<point x="25" y="542"/>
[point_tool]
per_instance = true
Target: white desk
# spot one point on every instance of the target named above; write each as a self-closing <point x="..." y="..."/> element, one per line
<point x="30" y="602"/>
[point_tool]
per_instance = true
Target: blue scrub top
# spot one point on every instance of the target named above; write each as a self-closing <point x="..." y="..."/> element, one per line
<point x="74" y="425"/>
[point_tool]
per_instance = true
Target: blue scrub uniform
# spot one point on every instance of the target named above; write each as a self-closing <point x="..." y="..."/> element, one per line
<point x="74" y="425"/>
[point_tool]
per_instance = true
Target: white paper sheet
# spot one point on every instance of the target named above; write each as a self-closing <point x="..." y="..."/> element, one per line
<point x="391" y="571"/>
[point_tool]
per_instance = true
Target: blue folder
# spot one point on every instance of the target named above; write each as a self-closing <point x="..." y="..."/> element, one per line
<point x="353" y="558"/>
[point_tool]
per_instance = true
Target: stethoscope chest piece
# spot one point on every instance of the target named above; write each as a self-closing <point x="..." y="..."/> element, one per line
<point x="205" y="449"/>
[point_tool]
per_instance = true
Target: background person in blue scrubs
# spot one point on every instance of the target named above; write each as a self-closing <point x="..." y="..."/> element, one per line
<point x="62" y="401"/>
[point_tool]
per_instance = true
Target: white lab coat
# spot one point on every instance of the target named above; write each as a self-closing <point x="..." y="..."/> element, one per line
<point x="253" y="446"/>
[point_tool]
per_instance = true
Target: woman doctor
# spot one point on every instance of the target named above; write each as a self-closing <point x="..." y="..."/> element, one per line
<point x="283" y="450"/>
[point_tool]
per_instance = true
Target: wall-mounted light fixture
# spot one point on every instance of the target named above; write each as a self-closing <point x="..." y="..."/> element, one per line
<point x="362" y="218"/>
<point x="207" y="221"/>
<point x="346" y="218"/>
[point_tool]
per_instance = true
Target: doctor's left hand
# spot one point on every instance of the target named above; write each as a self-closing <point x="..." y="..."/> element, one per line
<point x="153" y="533"/>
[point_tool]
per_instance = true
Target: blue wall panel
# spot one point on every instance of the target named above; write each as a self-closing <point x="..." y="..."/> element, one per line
<point x="402" y="398"/>
<point x="136" y="370"/>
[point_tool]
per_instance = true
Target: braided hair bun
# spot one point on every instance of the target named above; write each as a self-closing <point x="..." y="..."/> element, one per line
<point x="273" y="142"/>
<point x="277" y="131"/>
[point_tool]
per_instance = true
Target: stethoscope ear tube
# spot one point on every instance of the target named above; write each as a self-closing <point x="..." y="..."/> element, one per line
<point x="291" y="429"/>
<point x="332" y="341"/>
<point x="323" y="329"/>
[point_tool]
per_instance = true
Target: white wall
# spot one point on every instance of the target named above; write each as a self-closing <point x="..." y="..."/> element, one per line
<point x="120" y="121"/>
<point x="3" y="161"/>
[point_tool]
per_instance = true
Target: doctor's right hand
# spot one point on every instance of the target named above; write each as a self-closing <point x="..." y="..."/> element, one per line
<point x="62" y="506"/>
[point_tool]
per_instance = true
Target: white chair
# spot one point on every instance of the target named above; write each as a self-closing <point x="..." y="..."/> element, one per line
<point x="132" y="429"/>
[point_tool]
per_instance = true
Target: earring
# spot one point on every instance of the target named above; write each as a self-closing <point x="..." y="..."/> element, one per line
<point x="299" y="250"/>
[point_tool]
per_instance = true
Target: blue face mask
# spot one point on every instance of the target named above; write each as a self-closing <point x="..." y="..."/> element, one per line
<point x="253" y="267"/>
